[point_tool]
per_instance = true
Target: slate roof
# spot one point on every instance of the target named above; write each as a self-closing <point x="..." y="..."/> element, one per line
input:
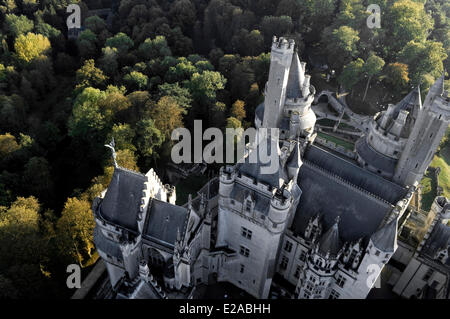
<point x="295" y="79"/>
<point x="163" y="221"/>
<point x="254" y="169"/>
<point x="439" y="238"/>
<point x="360" y="215"/>
<point x="379" y="161"/>
<point x="259" y="112"/>
<point x="105" y="245"/>
<point x="385" y="239"/>
<point x="122" y="200"/>
<point x="411" y="103"/>
<point x="356" y="175"/>
<point x="240" y="192"/>
<point x="330" y="241"/>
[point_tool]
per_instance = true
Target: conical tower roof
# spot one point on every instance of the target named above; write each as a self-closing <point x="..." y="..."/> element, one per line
<point x="295" y="158"/>
<point x="385" y="239"/>
<point x="330" y="241"/>
<point x="295" y="80"/>
<point x="411" y="103"/>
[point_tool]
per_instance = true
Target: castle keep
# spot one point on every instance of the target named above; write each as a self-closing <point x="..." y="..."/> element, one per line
<point x="325" y="224"/>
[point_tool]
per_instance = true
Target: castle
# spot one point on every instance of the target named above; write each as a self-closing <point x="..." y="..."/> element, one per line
<point x="324" y="224"/>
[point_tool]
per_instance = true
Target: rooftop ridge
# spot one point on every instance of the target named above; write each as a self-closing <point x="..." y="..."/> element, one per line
<point x="345" y="182"/>
<point x="358" y="167"/>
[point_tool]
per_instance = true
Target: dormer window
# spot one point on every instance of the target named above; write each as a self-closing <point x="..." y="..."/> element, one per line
<point x="248" y="205"/>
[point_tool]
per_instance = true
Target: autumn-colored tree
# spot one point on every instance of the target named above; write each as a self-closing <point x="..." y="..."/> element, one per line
<point x="74" y="231"/>
<point x="167" y="115"/>
<point x="238" y="110"/>
<point x="89" y="75"/>
<point x="30" y="46"/>
<point x="8" y="144"/>
<point x="397" y="75"/>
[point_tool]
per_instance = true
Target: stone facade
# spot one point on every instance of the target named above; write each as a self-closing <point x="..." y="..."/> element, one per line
<point x="321" y="222"/>
<point x="427" y="274"/>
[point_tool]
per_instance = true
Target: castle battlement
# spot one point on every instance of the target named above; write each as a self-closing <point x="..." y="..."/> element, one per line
<point x="282" y="44"/>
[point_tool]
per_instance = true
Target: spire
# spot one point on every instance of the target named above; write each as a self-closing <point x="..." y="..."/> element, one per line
<point x="411" y="103"/>
<point x="295" y="160"/>
<point x="112" y="146"/>
<point x="330" y="243"/>
<point x="437" y="89"/>
<point x="385" y="239"/>
<point x="296" y="78"/>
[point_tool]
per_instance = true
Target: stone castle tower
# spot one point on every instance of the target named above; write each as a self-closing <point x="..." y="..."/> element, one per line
<point x="431" y="124"/>
<point x="401" y="141"/>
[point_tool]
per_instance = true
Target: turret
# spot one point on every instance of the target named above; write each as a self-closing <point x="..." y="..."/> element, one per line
<point x="426" y="135"/>
<point x="280" y="62"/>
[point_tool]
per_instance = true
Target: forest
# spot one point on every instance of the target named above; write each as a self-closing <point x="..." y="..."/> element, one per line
<point x="152" y="66"/>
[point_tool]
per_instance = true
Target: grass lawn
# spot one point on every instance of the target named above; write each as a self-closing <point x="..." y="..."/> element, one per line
<point x="336" y="140"/>
<point x="428" y="182"/>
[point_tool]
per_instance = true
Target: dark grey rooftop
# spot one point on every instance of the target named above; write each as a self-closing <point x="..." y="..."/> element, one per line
<point x="123" y="198"/>
<point x="293" y="88"/>
<point x="379" y="161"/>
<point x="163" y="221"/>
<point x="356" y="175"/>
<point x="105" y="245"/>
<point x="385" y="238"/>
<point x="360" y="214"/>
<point x="439" y="239"/>
<point x="255" y="169"/>
<point x="240" y="192"/>
<point x="260" y="111"/>
<point x="330" y="242"/>
<point x="411" y="103"/>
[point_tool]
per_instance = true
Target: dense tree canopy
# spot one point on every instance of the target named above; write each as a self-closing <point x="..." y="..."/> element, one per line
<point x="155" y="66"/>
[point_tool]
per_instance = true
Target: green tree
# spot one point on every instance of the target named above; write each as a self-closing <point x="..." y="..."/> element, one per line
<point x="206" y="84"/>
<point x="20" y="233"/>
<point x="47" y="30"/>
<point x="423" y="58"/>
<point x="87" y="43"/>
<point x="136" y="80"/>
<point x="408" y="21"/>
<point x="279" y="26"/>
<point x="123" y="136"/>
<point x="341" y="44"/>
<point x="154" y="48"/>
<point x="89" y="75"/>
<point x="17" y="25"/>
<point x="233" y="122"/>
<point x="351" y="74"/>
<point x="397" y="75"/>
<point x="181" y="95"/>
<point x="148" y="138"/>
<point x="121" y="42"/>
<point x="86" y="116"/>
<point x="183" y="14"/>
<point x="372" y="67"/>
<point x="108" y="61"/>
<point x="95" y="24"/>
